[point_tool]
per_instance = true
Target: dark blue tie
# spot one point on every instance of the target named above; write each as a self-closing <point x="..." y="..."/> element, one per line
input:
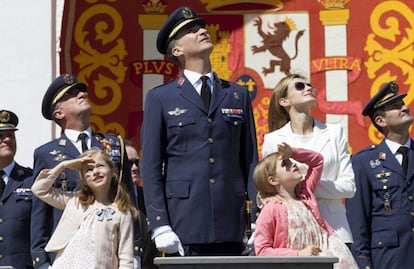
<point x="205" y="91"/>
<point x="404" y="152"/>
<point x="2" y="183"/>
<point x="82" y="138"/>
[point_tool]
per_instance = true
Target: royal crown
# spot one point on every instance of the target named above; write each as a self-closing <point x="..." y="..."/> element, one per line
<point x="290" y="23"/>
<point x="154" y="6"/>
<point x="334" y="4"/>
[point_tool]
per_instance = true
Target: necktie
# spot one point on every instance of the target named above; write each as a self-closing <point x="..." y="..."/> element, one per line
<point x="404" y="153"/>
<point x="205" y="91"/>
<point x="82" y="137"/>
<point x="2" y="183"/>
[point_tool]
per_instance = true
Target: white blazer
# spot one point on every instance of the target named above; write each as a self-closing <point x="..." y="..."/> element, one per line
<point x="337" y="180"/>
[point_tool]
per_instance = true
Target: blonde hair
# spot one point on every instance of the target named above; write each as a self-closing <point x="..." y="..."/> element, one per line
<point x="117" y="193"/>
<point x="278" y="116"/>
<point x="263" y="170"/>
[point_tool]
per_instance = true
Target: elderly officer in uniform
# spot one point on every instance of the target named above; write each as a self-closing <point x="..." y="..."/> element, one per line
<point x="199" y="148"/>
<point x="381" y="214"/>
<point x="15" y="199"/>
<point x="66" y="102"/>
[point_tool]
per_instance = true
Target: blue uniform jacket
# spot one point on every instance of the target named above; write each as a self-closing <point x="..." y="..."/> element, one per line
<point x="15" y="207"/>
<point x="45" y="217"/>
<point x="197" y="164"/>
<point x="381" y="214"/>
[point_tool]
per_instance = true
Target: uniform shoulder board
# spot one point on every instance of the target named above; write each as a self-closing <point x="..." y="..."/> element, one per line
<point x="99" y="136"/>
<point x="369" y="148"/>
<point x="224" y="83"/>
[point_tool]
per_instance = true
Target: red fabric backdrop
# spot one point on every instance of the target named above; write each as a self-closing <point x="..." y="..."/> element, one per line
<point x="102" y="43"/>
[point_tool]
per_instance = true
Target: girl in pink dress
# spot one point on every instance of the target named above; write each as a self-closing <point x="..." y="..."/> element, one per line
<point x="96" y="227"/>
<point x="294" y="227"/>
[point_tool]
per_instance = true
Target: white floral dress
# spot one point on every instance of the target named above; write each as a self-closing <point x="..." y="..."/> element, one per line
<point x="304" y="230"/>
<point x="80" y="250"/>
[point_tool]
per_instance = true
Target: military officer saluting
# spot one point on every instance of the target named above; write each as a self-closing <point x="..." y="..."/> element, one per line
<point x="381" y="214"/>
<point x="15" y="199"/>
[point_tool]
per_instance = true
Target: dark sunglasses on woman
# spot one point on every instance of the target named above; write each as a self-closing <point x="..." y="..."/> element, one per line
<point x="301" y="85"/>
<point x="134" y="161"/>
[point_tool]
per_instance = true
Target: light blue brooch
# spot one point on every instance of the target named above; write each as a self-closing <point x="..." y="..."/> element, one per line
<point x="105" y="213"/>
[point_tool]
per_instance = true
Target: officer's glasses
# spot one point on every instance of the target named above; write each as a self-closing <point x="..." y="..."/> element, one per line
<point x="6" y="134"/>
<point x="72" y="93"/>
<point x="397" y="105"/>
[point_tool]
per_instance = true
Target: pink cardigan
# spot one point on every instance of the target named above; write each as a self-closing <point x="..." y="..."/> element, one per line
<point x="271" y="235"/>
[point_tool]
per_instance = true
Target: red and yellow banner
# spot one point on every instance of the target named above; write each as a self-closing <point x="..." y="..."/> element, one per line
<point x="359" y="45"/>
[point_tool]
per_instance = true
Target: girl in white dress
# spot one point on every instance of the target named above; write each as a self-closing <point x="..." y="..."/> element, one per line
<point x="295" y="226"/>
<point x="96" y="228"/>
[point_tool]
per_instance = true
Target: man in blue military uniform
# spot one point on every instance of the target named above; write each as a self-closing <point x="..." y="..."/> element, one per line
<point x="199" y="148"/>
<point x="15" y="199"/>
<point x="66" y="102"/>
<point x="381" y="214"/>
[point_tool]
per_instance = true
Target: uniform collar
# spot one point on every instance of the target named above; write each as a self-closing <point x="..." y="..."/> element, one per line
<point x="73" y="135"/>
<point x="393" y="146"/>
<point x="8" y="169"/>
<point x="194" y="77"/>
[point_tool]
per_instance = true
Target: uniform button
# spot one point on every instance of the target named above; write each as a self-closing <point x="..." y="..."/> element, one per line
<point x="410" y="198"/>
<point x="180" y="124"/>
<point x="408" y="183"/>
<point x="211" y="160"/>
<point x="1" y="256"/>
<point x="412" y="229"/>
<point x="379" y="243"/>
<point x="158" y="218"/>
<point x="212" y="181"/>
<point x="37" y="259"/>
<point x="1" y="220"/>
<point x="209" y="120"/>
<point x="412" y="214"/>
<point x="367" y="267"/>
<point x="136" y="248"/>
<point x="1" y="203"/>
<point x="210" y="140"/>
<point x="236" y="122"/>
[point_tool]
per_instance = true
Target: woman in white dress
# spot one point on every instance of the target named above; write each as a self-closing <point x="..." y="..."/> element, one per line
<point x="96" y="228"/>
<point x="290" y="121"/>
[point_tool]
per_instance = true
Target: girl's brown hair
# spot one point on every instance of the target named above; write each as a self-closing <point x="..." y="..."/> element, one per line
<point x="278" y="116"/>
<point x="263" y="170"/>
<point x="117" y="193"/>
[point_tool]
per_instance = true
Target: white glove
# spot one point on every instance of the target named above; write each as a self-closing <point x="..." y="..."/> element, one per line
<point x="45" y="266"/>
<point x="167" y="241"/>
<point x="137" y="262"/>
<point x="250" y="242"/>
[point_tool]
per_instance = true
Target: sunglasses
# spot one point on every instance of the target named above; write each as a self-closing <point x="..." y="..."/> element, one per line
<point x="301" y="85"/>
<point x="72" y="93"/>
<point x="396" y="105"/>
<point x="134" y="161"/>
